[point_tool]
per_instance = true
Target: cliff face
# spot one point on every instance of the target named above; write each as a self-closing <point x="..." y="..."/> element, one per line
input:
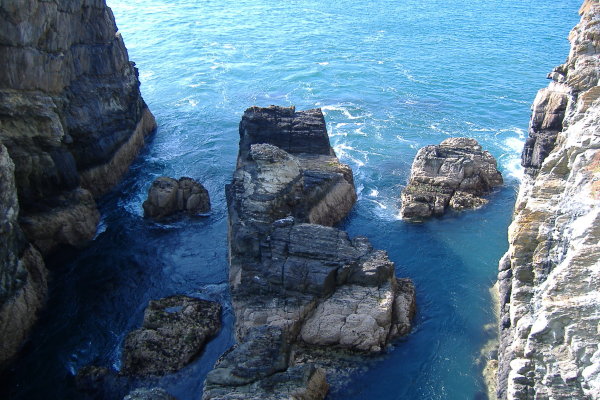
<point x="549" y="280"/>
<point x="71" y="121"/>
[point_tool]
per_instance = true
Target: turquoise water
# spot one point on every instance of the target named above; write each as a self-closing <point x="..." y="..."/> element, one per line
<point x="391" y="77"/>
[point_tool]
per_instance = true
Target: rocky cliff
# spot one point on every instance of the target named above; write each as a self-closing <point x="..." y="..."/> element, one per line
<point x="71" y="121"/>
<point x="298" y="284"/>
<point x="549" y="280"/>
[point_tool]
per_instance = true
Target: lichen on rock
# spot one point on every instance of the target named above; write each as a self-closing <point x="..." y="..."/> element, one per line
<point x="455" y="174"/>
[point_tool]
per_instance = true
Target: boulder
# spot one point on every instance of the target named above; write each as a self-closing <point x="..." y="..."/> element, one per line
<point x="168" y="196"/>
<point x="174" y="332"/>
<point x="457" y="174"/>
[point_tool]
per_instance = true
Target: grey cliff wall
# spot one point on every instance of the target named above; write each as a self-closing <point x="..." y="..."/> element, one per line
<point x="71" y="121"/>
<point x="549" y="280"/>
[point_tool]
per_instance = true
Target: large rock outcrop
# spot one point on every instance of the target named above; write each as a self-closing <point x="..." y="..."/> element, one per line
<point x="296" y="281"/>
<point x="549" y="280"/>
<point x="72" y="119"/>
<point x="455" y="174"/>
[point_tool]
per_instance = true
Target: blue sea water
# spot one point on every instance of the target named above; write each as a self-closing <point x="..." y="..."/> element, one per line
<point x="390" y="77"/>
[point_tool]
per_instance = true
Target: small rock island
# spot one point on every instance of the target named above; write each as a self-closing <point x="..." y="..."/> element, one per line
<point x="297" y="283"/>
<point x="457" y="174"/>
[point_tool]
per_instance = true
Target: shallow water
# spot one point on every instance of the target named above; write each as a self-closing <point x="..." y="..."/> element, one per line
<point x="391" y="77"/>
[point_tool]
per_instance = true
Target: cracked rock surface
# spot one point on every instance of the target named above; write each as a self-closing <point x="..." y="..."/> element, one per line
<point x="455" y="174"/>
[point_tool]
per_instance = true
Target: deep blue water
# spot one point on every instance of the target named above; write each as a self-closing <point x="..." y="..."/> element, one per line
<point x="391" y="77"/>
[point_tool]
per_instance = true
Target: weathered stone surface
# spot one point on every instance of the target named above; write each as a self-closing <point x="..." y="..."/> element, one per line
<point x="71" y="114"/>
<point x="456" y="174"/>
<point x="72" y="119"/>
<point x="549" y="279"/>
<point x="22" y="271"/>
<point x="168" y="196"/>
<point x="289" y="267"/>
<point x="173" y="333"/>
<point x="149" y="394"/>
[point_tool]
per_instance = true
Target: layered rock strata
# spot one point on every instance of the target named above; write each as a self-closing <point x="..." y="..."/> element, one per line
<point x="174" y="332"/>
<point x="457" y="174"/>
<point x="22" y="273"/>
<point x="549" y="280"/>
<point x="72" y="119"/>
<point x="168" y="196"/>
<point x="295" y="280"/>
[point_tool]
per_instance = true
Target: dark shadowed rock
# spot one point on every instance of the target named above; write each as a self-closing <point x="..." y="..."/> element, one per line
<point x="149" y="394"/>
<point x="174" y="332"/>
<point x="455" y="174"/>
<point x="72" y="119"/>
<point x="168" y="196"/>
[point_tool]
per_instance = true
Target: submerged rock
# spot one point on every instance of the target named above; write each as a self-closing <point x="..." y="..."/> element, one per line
<point x="549" y="280"/>
<point x="174" y="332"/>
<point x="295" y="280"/>
<point x="455" y="174"/>
<point x="168" y="196"/>
<point x="149" y="394"/>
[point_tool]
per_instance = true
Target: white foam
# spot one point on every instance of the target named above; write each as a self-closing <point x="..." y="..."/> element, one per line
<point x="323" y="63"/>
<point x="374" y="193"/>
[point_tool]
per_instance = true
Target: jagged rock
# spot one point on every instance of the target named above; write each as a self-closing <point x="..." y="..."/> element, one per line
<point x="22" y="271"/>
<point x="288" y="266"/>
<point x="72" y="124"/>
<point x="149" y="394"/>
<point x="174" y="332"/>
<point x="456" y="174"/>
<point x="168" y="196"/>
<point x="72" y="119"/>
<point x="549" y="280"/>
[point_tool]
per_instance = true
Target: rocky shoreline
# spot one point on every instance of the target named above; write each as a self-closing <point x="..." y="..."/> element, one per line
<point x="71" y="121"/>
<point x="548" y="280"/>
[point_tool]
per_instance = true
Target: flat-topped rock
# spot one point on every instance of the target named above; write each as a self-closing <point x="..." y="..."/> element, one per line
<point x="168" y="196"/>
<point x="174" y="331"/>
<point x="457" y="174"/>
<point x="289" y="268"/>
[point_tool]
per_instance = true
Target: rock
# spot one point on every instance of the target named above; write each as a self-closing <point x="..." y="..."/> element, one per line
<point x="548" y="280"/>
<point x="174" y="332"/>
<point x="168" y="196"/>
<point x="289" y="269"/>
<point x="22" y="272"/>
<point x="72" y="124"/>
<point x="456" y="174"/>
<point x="72" y="120"/>
<point x="149" y="394"/>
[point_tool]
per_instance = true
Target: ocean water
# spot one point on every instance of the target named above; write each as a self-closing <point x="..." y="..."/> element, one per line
<point x="391" y="77"/>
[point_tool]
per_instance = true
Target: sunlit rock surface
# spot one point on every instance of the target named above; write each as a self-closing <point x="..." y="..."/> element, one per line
<point x="549" y="280"/>
<point x="455" y="174"/>
<point x="295" y="280"/>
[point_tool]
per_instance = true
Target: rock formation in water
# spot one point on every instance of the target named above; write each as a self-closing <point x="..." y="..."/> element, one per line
<point x="168" y="196"/>
<point x="72" y="120"/>
<point x="149" y="394"/>
<point x="174" y="332"/>
<point x="549" y="280"/>
<point x="297" y="282"/>
<point x="455" y="174"/>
